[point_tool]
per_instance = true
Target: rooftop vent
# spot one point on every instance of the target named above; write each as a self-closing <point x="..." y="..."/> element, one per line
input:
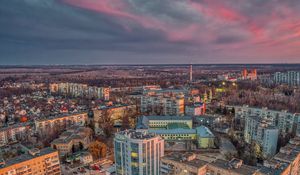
<point x="34" y="151"/>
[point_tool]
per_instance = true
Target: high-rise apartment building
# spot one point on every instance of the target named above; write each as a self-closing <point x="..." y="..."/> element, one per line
<point x="163" y="104"/>
<point x="80" y="90"/>
<point x="291" y="78"/>
<point x="39" y="162"/>
<point x="263" y="126"/>
<point x="137" y="153"/>
<point x="285" y="121"/>
<point x="262" y="133"/>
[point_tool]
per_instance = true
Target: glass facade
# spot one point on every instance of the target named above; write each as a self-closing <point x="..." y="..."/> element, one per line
<point x="138" y="156"/>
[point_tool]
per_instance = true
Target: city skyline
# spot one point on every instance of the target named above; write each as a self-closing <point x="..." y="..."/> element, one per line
<point x="140" y="32"/>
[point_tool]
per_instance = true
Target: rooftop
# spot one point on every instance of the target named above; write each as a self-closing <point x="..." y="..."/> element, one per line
<point x="16" y="126"/>
<point x="133" y="134"/>
<point x="60" y="116"/>
<point x="168" y="117"/>
<point x="173" y="131"/>
<point x="203" y="131"/>
<point x="177" y="125"/>
<point x="242" y="169"/>
<point x="72" y="133"/>
<point x="25" y="157"/>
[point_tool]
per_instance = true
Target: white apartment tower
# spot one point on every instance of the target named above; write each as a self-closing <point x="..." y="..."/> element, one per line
<point x="263" y="133"/>
<point x="291" y="78"/>
<point x="138" y="153"/>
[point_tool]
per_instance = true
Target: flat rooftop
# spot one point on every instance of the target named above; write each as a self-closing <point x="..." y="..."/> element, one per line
<point x="173" y="131"/>
<point x="156" y="117"/>
<point x="243" y="169"/>
<point x="59" y="116"/>
<point x="187" y="158"/>
<point x="133" y="134"/>
<point x="27" y="156"/>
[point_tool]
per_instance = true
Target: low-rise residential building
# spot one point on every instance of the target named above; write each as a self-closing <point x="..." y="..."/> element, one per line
<point x="40" y="162"/>
<point x="75" y="138"/>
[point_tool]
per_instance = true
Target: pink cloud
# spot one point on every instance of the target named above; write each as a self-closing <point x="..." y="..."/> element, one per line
<point x="219" y="11"/>
<point x="216" y="12"/>
<point x="119" y="9"/>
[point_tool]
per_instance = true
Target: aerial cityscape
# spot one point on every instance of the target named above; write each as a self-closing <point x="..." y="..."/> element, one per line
<point x="136" y="87"/>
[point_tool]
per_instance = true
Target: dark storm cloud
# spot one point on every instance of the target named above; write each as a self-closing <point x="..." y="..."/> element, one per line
<point x="141" y="31"/>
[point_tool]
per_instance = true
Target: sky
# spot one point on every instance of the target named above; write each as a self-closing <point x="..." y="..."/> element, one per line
<point x="149" y="31"/>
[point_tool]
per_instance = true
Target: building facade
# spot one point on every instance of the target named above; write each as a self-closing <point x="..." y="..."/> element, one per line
<point x="176" y="128"/>
<point x="162" y="122"/>
<point x="195" y="109"/>
<point x="138" y="153"/>
<point x="46" y="125"/>
<point x="39" y="162"/>
<point x="162" y="104"/>
<point x="14" y="133"/>
<point x="262" y="133"/>
<point x="188" y="163"/>
<point x="285" y="121"/>
<point x="80" y="90"/>
<point x="291" y="78"/>
<point x="75" y="138"/>
<point x="287" y="160"/>
<point x="249" y="75"/>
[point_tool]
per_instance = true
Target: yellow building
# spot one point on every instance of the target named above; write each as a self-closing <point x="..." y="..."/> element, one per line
<point x="175" y="128"/>
<point x="205" y="137"/>
<point x="175" y="134"/>
<point x="37" y="162"/>
<point x="158" y="122"/>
